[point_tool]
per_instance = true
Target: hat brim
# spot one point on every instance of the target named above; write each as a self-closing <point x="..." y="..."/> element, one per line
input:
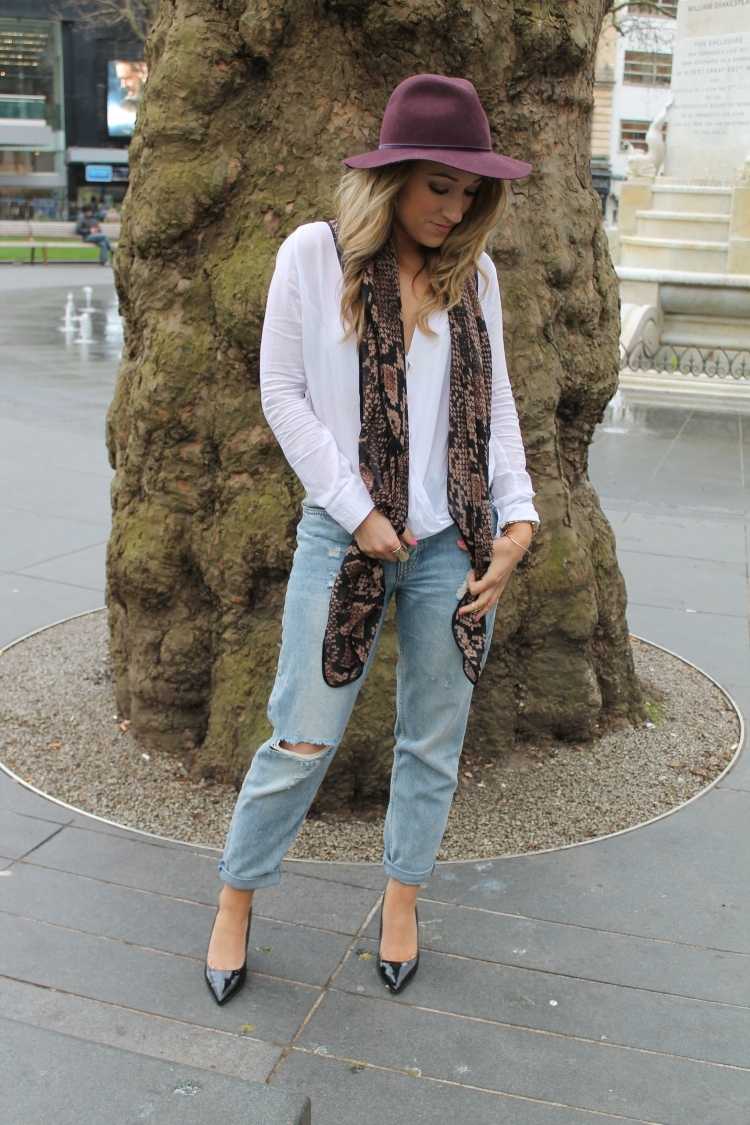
<point x="481" y="163"/>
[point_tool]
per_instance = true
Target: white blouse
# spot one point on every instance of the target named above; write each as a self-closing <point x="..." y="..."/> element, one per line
<point x="309" y="380"/>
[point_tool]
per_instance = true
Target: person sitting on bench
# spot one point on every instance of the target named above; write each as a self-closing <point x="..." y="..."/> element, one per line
<point x="89" y="230"/>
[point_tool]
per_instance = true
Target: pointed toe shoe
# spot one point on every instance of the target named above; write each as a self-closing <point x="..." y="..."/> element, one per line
<point x="397" y="974"/>
<point x="223" y="983"/>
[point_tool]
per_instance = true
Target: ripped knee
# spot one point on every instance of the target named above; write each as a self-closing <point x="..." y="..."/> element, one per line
<point x="301" y="749"/>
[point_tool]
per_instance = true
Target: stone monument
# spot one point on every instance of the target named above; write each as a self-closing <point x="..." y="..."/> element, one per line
<point x="709" y="123"/>
<point x="684" y="215"/>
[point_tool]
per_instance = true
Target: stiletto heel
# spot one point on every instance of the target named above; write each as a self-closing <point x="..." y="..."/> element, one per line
<point x="397" y="974"/>
<point x="225" y="982"/>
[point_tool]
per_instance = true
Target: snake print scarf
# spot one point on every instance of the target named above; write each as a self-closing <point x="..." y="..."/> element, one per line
<point x="358" y="593"/>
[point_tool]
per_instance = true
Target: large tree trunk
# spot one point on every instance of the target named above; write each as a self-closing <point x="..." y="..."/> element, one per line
<point x="248" y="109"/>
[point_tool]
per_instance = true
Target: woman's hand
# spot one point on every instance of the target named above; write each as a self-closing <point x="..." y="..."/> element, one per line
<point x="506" y="555"/>
<point x="376" y="537"/>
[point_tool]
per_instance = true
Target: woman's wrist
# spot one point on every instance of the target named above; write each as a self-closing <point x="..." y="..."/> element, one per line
<point x="504" y="546"/>
<point x="521" y="532"/>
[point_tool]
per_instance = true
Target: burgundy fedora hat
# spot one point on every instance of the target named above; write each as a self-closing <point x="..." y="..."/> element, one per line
<point x="432" y="117"/>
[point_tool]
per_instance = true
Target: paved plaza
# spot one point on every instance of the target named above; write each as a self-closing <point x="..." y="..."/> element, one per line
<point x="603" y="982"/>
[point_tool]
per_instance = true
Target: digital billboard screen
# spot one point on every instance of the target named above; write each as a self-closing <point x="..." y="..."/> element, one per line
<point x="125" y="82"/>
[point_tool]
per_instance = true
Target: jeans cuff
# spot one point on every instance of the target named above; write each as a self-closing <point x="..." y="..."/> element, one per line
<point x="406" y="876"/>
<point x="272" y="879"/>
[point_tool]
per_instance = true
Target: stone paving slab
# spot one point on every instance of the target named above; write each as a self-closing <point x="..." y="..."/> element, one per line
<point x="24" y="801"/>
<point x="696" y="538"/>
<point x="30" y="537"/>
<point x="565" y="1004"/>
<point x="716" y="644"/>
<point x="738" y="780"/>
<point x="622" y="469"/>
<point x="65" y="492"/>
<point x="345" y="1092"/>
<point x="182" y="873"/>
<point x="21" y="834"/>
<point x="681" y="878"/>
<point x="369" y="875"/>
<point x="86" y="455"/>
<point x="171" y="925"/>
<point x="52" y="403"/>
<point x="718" y="465"/>
<point x="34" y="603"/>
<point x="738" y="776"/>
<point x="94" y="824"/>
<point x="146" y="980"/>
<point x="17" y="277"/>
<point x="656" y="1087"/>
<point x="240" y="1056"/>
<point x="705" y="586"/>
<point x="58" y="1078"/>
<point x="718" y="471"/>
<point x="695" y="497"/>
<point x="83" y="568"/>
<point x="566" y="951"/>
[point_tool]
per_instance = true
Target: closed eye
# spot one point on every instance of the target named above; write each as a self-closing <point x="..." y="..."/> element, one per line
<point x="444" y="191"/>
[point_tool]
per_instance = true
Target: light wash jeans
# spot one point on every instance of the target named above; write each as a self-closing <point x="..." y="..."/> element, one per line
<point x="103" y="243"/>
<point x="432" y="701"/>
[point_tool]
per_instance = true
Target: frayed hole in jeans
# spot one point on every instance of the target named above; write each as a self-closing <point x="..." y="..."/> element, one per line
<point x="300" y="755"/>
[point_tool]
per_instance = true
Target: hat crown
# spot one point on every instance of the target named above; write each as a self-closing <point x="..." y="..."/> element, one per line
<point x="433" y="110"/>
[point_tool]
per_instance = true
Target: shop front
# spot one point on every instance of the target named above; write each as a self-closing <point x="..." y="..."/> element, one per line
<point x="33" y="177"/>
<point x="97" y="176"/>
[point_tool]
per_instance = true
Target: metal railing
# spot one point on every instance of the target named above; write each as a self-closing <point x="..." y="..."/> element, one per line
<point x="687" y="360"/>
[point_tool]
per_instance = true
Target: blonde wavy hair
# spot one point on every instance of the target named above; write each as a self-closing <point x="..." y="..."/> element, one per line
<point x="365" y="202"/>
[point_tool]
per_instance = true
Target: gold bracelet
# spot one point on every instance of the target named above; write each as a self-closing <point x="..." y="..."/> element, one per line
<point x="507" y="536"/>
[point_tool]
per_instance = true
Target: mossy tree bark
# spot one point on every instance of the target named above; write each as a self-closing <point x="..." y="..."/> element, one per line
<point x="248" y="109"/>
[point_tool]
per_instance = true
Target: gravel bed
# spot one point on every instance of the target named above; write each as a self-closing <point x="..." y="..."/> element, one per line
<point x="60" y="733"/>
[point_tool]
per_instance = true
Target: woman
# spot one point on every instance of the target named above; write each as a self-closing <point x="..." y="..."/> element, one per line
<point x="382" y="348"/>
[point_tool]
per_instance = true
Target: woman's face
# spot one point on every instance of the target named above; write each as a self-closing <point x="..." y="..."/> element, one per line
<point x="433" y="200"/>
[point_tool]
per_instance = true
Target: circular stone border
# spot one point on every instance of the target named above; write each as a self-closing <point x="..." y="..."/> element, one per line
<point x="376" y="863"/>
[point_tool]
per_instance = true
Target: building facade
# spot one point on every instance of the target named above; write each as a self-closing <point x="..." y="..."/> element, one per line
<point x="632" y="85"/>
<point x="69" y="96"/>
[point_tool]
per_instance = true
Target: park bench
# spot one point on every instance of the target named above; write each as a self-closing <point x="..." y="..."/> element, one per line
<point x="43" y="247"/>
<point x="38" y="237"/>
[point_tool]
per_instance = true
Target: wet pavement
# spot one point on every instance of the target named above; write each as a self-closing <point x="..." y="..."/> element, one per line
<point x="606" y="981"/>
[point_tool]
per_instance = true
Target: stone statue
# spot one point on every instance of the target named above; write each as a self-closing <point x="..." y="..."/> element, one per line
<point x="646" y="165"/>
<point x="743" y="173"/>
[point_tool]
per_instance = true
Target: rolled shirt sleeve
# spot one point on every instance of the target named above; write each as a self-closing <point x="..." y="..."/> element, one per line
<point x="511" y="486"/>
<point x="308" y="445"/>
